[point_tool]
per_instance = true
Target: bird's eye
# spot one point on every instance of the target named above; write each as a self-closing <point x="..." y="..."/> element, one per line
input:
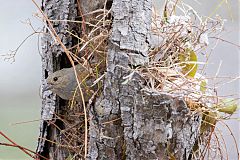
<point x="55" y="79"/>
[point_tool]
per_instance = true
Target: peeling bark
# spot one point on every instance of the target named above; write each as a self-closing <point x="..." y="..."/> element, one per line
<point x="53" y="141"/>
<point x="53" y="58"/>
<point x="128" y="121"/>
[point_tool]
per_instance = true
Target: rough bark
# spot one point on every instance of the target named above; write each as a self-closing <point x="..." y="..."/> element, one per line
<point x="130" y="121"/>
<point x="54" y="141"/>
<point x="53" y="58"/>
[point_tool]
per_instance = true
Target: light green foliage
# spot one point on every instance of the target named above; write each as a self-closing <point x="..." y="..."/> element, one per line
<point x="203" y="86"/>
<point x="228" y="106"/>
<point x="209" y="120"/>
<point x="190" y="67"/>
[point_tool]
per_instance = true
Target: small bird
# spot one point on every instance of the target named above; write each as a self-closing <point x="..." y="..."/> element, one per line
<point x="64" y="83"/>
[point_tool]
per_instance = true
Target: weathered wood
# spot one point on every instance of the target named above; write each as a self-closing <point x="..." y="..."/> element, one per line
<point x="130" y="121"/>
<point x="53" y="58"/>
<point x="53" y="141"/>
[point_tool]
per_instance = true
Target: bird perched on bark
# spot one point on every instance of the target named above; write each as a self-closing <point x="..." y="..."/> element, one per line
<point x="64" y="83"/>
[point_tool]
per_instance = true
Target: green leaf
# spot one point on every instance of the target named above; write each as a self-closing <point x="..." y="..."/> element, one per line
<point x="228" y="106"/>
<point x="209" y="120"/>
<point x="203" y="87"/>
<point x="165" y="13"/>
<point x="189" y="68"/>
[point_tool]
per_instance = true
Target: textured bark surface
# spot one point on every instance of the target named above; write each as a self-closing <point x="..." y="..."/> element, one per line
<point x="55" y="141"/>
<point x="130" y="121"/>
<point x="53" y="58"/>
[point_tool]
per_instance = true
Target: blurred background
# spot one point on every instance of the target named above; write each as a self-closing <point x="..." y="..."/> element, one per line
<point x="20" y="80"/>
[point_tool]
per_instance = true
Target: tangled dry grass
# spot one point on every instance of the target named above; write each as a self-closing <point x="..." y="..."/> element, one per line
<point x="173" y="68"/>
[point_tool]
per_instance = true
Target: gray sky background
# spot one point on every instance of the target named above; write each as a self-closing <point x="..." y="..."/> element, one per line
<point x="23" y="76"/>
<point x="20" y="81"/>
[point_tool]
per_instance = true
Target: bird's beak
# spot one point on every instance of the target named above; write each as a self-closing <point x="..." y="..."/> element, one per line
<point x="46" y="87"/>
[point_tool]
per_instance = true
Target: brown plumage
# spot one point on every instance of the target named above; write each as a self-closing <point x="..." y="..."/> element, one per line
<point x="64" y="83"/>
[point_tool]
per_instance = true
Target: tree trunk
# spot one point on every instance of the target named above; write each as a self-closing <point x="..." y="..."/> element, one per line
<point x="128" y="121"/>
<point x="54" y="58"/>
